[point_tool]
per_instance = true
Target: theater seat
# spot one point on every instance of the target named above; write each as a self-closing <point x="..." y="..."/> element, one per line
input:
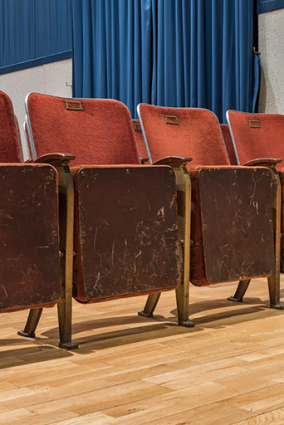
<point x="259" y="136"/>
<point x="232" y="236"/>
<point x="125" y="227"/>
<point x="140" y="142"/>
<point x="29" y="240"/>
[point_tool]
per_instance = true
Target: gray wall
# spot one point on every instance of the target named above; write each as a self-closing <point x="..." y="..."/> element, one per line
<point x="48" y="79"/>
<point x="271" y="45"/>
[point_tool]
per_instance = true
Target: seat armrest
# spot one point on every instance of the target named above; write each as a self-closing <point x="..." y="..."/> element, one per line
<point x="265" y="162"/>
<point x="173" y="161"/>
<point x="54" y="157"/>
<point x="144" y="160"/>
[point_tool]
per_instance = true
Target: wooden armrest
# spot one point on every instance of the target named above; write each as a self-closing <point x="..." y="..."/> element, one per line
<point x="265" y="162"/>
<point x="54" y="157"/>
<point x="173" y="161"/>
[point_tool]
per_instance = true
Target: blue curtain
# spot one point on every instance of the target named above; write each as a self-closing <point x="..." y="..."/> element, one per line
<point x="195" y="53"/>
<point x="112" y="50"/>
<point x="31" y="29"/>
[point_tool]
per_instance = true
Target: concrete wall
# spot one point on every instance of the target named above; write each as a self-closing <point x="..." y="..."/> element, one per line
<point x="48" y="79"/>
<point x="271" y="45"/>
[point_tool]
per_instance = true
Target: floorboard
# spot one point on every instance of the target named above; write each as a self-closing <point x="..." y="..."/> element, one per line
<point x="229" y="369"/>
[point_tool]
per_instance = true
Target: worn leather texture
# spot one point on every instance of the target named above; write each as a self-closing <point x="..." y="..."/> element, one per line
<point x="29" y="263"/>
<point x="265" y="141"/>
<point x="126" y="240"/>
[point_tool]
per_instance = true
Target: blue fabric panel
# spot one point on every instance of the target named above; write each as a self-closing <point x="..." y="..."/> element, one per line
<point x="268" y="5"/>
<point x="204" y="54"/>
<point x="257" y="81"/>
<point x="112" y="50"/>
<point x="31" y="29"/>
<point x="196" y="53"/>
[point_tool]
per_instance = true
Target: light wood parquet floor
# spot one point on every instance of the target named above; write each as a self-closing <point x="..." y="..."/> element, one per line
<point x="229" y="369"/>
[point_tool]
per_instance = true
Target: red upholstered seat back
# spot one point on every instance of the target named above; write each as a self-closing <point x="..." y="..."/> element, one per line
<point x="229" y="144"/>
<point x="96" y="131"/>
<point x="190" y="132"/>
<point x="9" y="143"/>
<point x="140" y="139"/>
<point x="257" y="135"/>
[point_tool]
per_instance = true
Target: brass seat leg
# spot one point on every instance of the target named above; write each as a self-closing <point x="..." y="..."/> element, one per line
<point x="184" y="220"/>
<point x="66" y="227"/>
<point x="274" y="292"/>
<point x="32" y="322"/>
<point x="150" y="305"/>
<point x="182" y="297"/>
<point x="240" y="292"/>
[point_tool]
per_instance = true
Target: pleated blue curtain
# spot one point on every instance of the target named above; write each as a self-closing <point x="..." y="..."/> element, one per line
<point x="203" y="54"/>
<point x="112" y="50"/>
<point x="30" y="29"/>
<point x="196" y="53"/>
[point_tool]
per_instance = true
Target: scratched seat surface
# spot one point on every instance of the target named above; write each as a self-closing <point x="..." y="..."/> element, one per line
<point x="29" y="260"/>
<point x="259" y="136"/>
<point x="126" y="240"/>
<point x="231" y="227"/>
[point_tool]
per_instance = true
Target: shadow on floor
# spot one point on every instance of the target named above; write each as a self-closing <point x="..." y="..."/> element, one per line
<point x="44" y="347"/>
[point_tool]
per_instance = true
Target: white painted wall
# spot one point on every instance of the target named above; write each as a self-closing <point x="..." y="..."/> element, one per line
<point x="49" y="79"/>
<point x="271" y="45"/>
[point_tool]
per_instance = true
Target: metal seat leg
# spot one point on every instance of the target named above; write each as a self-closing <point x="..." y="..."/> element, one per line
<point x="66" y="226"/>
<point x="32" y="322"/>
<point x="240" y="292"/>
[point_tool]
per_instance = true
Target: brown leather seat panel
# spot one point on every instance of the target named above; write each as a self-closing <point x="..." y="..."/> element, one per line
<point x="237" y="223"/>
<point x="29" y="260"/>
<point x="231" y="224"/>
<point x="125" y="231"/>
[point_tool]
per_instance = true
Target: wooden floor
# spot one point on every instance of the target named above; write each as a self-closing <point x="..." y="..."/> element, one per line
<point x="229" y="369"/>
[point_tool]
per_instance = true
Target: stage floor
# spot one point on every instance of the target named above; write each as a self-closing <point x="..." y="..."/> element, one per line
<point x="229" y="369"/>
